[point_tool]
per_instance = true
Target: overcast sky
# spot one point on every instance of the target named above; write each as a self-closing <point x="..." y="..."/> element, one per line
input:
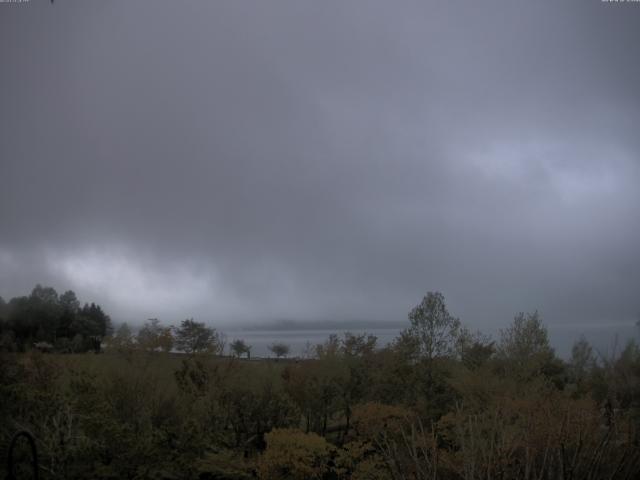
<point x="243" y="162"/>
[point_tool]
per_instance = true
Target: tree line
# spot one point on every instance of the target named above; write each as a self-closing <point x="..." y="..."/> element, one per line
<point x="47" y="321"/>
<point x="52" y="322"/>
<point x="439" y="402"/>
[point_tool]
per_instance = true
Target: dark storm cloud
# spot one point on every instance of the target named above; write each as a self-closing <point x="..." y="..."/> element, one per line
<point x="262" y="160"/>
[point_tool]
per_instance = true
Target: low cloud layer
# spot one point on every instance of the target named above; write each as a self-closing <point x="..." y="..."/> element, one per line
<point x="244" y="162"/>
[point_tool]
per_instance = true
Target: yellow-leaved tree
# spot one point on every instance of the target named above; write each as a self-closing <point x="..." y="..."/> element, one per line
<point x="294" y="455"/>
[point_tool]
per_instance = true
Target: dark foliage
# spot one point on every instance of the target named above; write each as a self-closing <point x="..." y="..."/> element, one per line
<point x="455" y="406"/>
<point x="49" y="321"/>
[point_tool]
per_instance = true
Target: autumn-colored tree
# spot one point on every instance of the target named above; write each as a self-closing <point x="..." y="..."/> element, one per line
<point x="122" y="340"/>
<point x="153" y="336"/>
<point x="294" y="455"/>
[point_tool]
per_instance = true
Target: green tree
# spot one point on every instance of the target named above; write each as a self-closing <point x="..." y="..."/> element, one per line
<point x="195" y="337"/>
<point x="474" y="349"/>
<point x="279" y="349"/>
<point x="582" y="361"/>
<point x="47" y="295"/>
<point x="70" y="309"/>
<point x="34" y="318"/>
<point x="430" y="345"/>
<point x="358" y="345"/>
<point x="44" y="312"/>
<point x="7" y="337"/>
<point x="91" y="321"/>
<point x="524" y="348"/>
<point x="434" y="330"/>
<point x="69" y="302"/>
<point x="239" y="348"/>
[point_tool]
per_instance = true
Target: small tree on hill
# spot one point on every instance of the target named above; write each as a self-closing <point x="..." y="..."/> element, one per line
<point x="239" y="348"/>
<point x="279" y="349"/>
<point x="196" y="337"/>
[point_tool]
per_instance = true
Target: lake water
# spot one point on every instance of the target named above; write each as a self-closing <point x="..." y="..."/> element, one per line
<point x="605" y="338"/>
<point x="297" y="339"/>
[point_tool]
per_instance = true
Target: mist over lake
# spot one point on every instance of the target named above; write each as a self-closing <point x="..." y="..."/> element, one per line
<point x="605" y="338"/>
